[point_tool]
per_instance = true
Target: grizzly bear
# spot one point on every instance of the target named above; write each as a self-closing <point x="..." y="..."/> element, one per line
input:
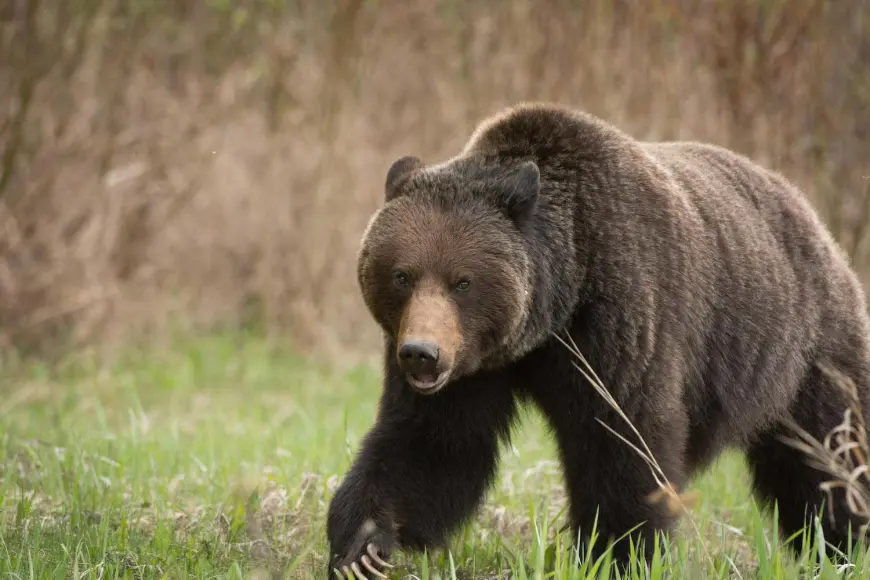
<point x="702" y="289"/>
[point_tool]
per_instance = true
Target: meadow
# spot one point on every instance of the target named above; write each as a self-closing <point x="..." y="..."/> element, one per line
<point x="216" y="458"/>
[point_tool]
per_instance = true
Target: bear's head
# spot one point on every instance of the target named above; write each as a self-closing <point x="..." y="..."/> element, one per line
<point x="444" y="268"/>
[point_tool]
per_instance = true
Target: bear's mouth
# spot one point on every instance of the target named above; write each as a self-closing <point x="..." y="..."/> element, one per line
<point x="426" y="383"/>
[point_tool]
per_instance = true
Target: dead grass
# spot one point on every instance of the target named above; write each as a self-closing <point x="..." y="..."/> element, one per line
<point x="842" y="454"/>
<point x="170" y="168"/>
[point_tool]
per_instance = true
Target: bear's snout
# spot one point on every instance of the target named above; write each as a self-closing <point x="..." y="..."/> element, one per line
<point x="428" y="340"/>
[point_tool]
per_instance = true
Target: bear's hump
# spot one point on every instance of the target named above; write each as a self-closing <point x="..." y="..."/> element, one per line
<point x="543" y="131"/>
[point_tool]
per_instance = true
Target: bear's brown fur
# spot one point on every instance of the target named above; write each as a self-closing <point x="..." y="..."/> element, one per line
<point x="702" y="289"/>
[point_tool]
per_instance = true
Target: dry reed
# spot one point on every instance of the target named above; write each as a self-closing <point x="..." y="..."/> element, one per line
<point x="842" y="454"/>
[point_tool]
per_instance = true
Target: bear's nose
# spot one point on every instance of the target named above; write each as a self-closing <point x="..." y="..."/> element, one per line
<point x="419" y="357"/>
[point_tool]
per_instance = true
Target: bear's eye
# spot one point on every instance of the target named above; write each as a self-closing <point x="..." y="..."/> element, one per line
<point x="463" y="285"/>
<point x="400" y="279"/>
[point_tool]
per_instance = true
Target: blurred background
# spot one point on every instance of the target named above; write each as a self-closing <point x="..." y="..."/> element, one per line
<point x="185" y="167"/>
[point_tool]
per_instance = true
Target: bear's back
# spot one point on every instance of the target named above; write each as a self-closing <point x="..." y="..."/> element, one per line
<point x="757" y="208"/>
<point x="785" y="293"/>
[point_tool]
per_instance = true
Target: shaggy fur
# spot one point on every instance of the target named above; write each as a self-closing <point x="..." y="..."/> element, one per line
<point x="701" y="288"/>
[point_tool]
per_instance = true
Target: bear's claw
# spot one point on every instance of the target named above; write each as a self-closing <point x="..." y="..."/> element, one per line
<point x="366" y="559"/>
<point x="373" y="552"/>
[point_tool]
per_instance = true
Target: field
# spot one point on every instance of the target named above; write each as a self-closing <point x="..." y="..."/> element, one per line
<point x="216" y="458"/>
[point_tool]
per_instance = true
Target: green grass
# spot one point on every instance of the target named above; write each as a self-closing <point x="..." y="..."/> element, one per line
<point x="216" y="459"/>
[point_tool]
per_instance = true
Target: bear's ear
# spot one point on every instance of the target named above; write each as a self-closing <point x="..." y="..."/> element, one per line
<point x="519" y="191"/>
<point x="399" y="170"/>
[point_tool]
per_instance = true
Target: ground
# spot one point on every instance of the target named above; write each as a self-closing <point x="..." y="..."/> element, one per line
<point x="215" y="458"/>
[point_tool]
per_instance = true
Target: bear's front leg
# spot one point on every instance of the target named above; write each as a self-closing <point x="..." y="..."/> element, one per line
<point x="612" y="487"/>
<point x="421" y="471"/>
<point x="362" y="535"/>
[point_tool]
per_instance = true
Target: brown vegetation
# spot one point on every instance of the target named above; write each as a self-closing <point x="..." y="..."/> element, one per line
<point x="843" y="454"/>
<point x="204" y="164"/>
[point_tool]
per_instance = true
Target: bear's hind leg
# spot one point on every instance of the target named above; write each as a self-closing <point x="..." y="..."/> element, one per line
<point x="780" y="473"/>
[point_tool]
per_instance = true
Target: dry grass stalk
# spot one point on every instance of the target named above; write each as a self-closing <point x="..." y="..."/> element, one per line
<point x="842" y="453"/>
